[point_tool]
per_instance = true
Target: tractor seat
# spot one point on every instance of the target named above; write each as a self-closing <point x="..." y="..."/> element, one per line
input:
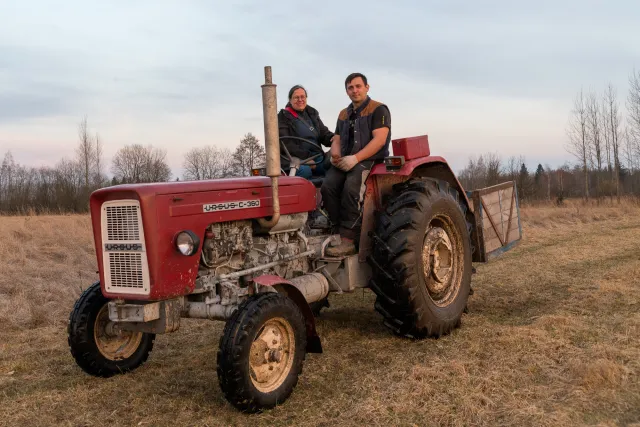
<point x="317" y="181"/>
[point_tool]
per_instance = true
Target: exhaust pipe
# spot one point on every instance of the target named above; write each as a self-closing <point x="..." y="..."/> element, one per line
<point x="272" y="144"/>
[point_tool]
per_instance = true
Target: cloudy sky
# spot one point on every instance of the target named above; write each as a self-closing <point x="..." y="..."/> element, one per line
<point x="477" y="77"/>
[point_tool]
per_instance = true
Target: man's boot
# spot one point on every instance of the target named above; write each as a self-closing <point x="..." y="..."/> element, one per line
<point x="345" y="248"/>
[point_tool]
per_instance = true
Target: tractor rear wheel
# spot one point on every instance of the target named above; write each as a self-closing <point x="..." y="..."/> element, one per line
<point x="99" y="348"/>
<point x="421" y="259"/>
<point x="261" y="352"/>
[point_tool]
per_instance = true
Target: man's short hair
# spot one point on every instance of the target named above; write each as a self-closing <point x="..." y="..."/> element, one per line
<point x="355" y="76"/>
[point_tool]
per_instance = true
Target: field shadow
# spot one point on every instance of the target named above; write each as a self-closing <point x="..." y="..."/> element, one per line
<point x="363" y="320"/>
<point x="516" y="308"/>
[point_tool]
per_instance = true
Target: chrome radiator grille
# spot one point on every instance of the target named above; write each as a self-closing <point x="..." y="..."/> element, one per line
<point x="126" y="269"/>
<point x="122" y="223"/>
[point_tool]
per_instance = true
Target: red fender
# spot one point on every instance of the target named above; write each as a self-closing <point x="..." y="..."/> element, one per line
<point x="284" y="286"/>
<point x="381" y="180"/>
<point x="432" y="163"/>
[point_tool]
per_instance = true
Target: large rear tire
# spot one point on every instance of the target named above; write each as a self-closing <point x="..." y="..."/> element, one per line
<point x="261" y="352"/>
<point x="97" y="347"/>
<point x="421" y="259"/>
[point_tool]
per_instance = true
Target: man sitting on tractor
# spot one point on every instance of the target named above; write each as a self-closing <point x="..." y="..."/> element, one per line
<point x="364" y="128"/>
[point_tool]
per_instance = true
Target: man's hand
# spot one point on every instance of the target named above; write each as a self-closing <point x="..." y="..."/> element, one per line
<point x="347" y="163"/>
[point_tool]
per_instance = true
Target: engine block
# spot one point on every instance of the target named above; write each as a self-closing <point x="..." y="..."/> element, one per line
<point x="238" y="245"/>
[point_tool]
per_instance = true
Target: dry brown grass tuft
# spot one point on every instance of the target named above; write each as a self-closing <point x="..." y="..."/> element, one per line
<point x="552" y="337"/>
<point x="602" y="373"/>
<point x="46" y="262"/>
<point x="572" y="211"/>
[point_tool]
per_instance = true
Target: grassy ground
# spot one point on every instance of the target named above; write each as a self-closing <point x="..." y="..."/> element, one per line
<point x="552" y="338"/>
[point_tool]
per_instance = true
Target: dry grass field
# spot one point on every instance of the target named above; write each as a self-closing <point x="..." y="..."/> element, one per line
<point x="552" y="338"/>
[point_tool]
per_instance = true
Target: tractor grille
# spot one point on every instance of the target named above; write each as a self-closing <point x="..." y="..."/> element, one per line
<point x="126" y="269"/>
<point x="122" y="223"/>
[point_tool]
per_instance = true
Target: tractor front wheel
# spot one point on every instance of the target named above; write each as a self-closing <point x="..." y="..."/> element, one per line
<point x="261" y="352"/>
<point x="98" y="347"/>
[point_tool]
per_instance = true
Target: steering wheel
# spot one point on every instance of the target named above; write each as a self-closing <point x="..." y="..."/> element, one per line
<point x="308" y="161"/>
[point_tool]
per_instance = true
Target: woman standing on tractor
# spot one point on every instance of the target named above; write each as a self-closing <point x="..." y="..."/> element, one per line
<point x="300" y="120"/>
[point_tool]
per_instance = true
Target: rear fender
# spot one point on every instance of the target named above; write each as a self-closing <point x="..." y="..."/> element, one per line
<point x="287" y="288"/>
<point x="430" y="166"/>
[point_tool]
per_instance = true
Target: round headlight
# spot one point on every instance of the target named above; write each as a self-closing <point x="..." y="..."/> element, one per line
<point x="187" y="243"/>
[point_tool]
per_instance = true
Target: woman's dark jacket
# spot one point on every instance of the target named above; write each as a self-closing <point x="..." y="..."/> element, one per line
<point x="287" y="127"/>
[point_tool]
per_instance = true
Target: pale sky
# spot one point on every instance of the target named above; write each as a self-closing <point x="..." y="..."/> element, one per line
<point x="476" y="76"/>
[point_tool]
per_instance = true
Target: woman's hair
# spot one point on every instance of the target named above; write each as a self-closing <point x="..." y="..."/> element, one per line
<point x="296" y="87"/>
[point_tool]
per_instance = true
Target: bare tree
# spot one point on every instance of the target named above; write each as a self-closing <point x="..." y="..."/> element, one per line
<point x="471" y="176"/>
<point x="607" y="156"/>
<point x="511" y="168"/>
<point x="248" y="154"/>
<point x="68" y="187"/>
<point x="204" y="163"/>
<point x="631" y="152"/>
<point x="633" y="106"/>
<point x="594" y="114"/>
<point x="85" y="152"/>
<point x="493" y="166"/>
<point x="578" y="133"/>
<point x="7" y="171"/>
<point x="157" y="168"/>
<point x="194" y="163"/>
<point x="628" y="150"/>
<point x="612" y="126"/>
<point x="226" y="163"/>
<point x="135" y="163"/>
<point x="632" y="131"/>
<point x="607" y="138"/>
<point x="99" y="177"/>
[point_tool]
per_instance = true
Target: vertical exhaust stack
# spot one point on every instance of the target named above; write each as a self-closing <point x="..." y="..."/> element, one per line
<point x="272" y="143"/>
<point x="271" y="135"/>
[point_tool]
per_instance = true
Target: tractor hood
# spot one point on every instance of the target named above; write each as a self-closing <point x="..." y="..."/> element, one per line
<point x="157" y="212"/>
<point x="159" y="188"/>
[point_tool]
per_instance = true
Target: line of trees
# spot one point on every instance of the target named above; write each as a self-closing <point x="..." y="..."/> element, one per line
<point x="67" y="186"/>
<point x="542" y="183"/>
<point x="606" y="143"/>
<point x="604" y="140"/>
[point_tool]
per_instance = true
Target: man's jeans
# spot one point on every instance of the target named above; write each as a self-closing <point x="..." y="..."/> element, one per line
<point x="342" y="197"/>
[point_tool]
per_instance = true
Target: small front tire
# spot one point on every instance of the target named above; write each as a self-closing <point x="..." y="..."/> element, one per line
<point x="99" y="348"/>
<point x="261" y="352"/>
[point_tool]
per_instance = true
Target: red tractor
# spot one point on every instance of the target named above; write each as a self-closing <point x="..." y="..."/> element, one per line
<point x="251" y="252"/>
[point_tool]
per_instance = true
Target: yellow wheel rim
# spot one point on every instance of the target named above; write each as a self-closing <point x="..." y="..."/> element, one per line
<point x="113" y="345"/>
<point x="272" y="354"/>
